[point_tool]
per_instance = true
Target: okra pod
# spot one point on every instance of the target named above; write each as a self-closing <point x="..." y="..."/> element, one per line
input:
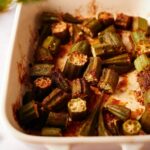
<point x="145" y="119"/>
<point x="91" y="27"/>
<point x="80" y="88"/>
<point x="105" y="18"/>
<point x="119" y="111"/>
<point x="77" y="108"/>
<point x="123" y="59"/>
<point x="28" y="113"/>
<point x="27" y="97"/>
<point x="43" y="55"/>
<point x="55" y="100"/>
<point x="39" y="70"/>
<point x="139" y="24"/>
<point x="42" y="87"/>
<point x="71" y="19"/>
<point x="75" y="65"/>
<point x="60" y="30"/>
<point x="57" y="119"/>
<point x="141" y="62"/>
<point x="50" y="17"/>
<point x="93" y="70"/>
<point x="82" y="47"/>
<point x="131" y="127"/>
<point x="52" y="43"/>
<point x="109" y="80"/>
<point x="59" y="81"/>
<point x="49" y="131"/>
<point x="123" y="21"/>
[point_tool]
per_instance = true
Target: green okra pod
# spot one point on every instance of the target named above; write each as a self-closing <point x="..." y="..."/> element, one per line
<point x="39" y="70"/>
<point x="52" y="43"/>
<point x="55" y="100"/>
<point x="123" y="59"/>
<point x="57" y="119"/>
<point x="131" y="127"/>
<point x="77" y="108"/>
<point x="119" y="111"/>
<point x="75" y="65"/>
<point x="49" y="131"/>
<point x="109" y="80"/>
<point x="93" y="70"/>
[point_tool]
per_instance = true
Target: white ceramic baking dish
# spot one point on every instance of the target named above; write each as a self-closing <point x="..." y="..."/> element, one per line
<point x="21" y="45"/>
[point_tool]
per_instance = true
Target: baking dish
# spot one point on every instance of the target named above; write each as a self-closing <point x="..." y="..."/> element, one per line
<point x="23" y="37"/>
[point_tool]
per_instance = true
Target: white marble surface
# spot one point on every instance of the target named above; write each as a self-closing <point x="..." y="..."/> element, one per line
<point x="8" y="142"/>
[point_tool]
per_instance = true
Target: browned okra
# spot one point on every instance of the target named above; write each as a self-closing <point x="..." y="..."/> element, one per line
<point x="59" y="81"/>
<point x="43" y="55"/>
<point x="57" y="119"/>
<point x="55" y="100"/>
<point x="75" y="65"/>
<point x="106" y="18"/>
<point x="80" y="88"/>
<point x="123" y="21"/>
<point x="119" y="111"/>
<point x="93" y="70"/>
<point x="77" y="108"/>
<point x="50" y="131"/>
<point x="109" y="80"/>
<point x="42" y="87"/>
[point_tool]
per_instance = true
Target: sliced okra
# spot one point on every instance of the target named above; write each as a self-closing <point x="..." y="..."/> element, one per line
<point x="109" y="80"/>
<point x="77" y="108"/>
<point x="39" y="70"/>
<point x="52" y="43"/>
<point x="60" y="81"/>
<point x="57" y="119"/>
<point x="123" y="21"/>
<point x="119" y="111"/>
<point x="80" y="88"/>
<point x="75" y="65"/>
<point x="131" y="127"/>
<point x="55" y="100"/>
<point x="50" y="131"/>
<point x="93" y="70"/>
<point x="43" y="55"/>
<point x="91" y="27"/>
<point x="82" y="47"/>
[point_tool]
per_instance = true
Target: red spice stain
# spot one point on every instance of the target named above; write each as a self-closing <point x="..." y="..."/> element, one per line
<point x="115" y="102"/>
<point x="139" y="97"/>
<point x="136" y="113"/>
<point x="122" y="85"/>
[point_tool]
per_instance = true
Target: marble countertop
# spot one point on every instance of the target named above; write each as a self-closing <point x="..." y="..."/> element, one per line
<point x="8" y="142"/>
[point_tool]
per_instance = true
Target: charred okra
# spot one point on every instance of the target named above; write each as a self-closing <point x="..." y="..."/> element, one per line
<point x="82" y="47"/>
<point x="131" y="127"/>
<point x="28" y="113"/>
<point x="43" y="56"/>
<point x="49" y="131"/>
<point x="55" y="100"/>
<point x="77" y="108"/>
<point x="42" y="87"/>
<point x="71" y="19"/>
<point x="27" y="97"/>
<point x="141" y="62"/>
<point x="80" y="88"/>
<point x="109" y="80"/>
<point x="145" y="119"/>
<point x="60" y="30"/>
<point x="106" y="18"/>
<point x="119" y="111"/>
<point x="123" y="59"/>
<point x="52" y="43"/>
<point x="75" y="65"/>
<point x="123" y="21"/>
<point x="57" y="119"/>
<point x="39" y="70"/>
<point x="91" y="27"/>
<point x="59" y="81"/>
<point x="93" y="70"/>
<point x="139" y="24"/>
